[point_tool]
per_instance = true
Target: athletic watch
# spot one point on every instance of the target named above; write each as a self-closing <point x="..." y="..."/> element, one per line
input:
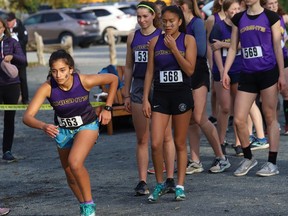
<point x="108" y="108"/>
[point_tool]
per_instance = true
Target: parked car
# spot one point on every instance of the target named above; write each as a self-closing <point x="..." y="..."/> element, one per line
<point x="54" y="25"/>
<point x="119" y="17"/>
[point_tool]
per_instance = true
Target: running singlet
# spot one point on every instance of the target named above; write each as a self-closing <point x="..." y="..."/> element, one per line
<point x="168" y="75"/>
<point x="139" y="48"/>
<point x="256" y="42"/>
<point x="72" y="108"/>
<point x="221" y="31"/>
<point x="217" y="20"/>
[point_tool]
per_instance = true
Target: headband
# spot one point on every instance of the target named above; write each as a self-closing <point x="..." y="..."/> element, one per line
<point x="143" y="5"/>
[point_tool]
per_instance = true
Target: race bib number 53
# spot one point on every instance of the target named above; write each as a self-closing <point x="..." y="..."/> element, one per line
<point x="172" y="76"/>
<point x="141" y="56"/>
<point x="75" y="121"/>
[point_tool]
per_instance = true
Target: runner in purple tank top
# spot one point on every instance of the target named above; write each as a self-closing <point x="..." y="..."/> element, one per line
<point x="257" y="29"/>
<point x="171" y="62"/>
<point x="217" y="15"/>
<point x="76" y="125"/>
<point x="135" y="72"/>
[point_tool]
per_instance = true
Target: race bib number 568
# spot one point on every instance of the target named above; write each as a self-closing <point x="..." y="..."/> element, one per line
<point x="171" y="76"/>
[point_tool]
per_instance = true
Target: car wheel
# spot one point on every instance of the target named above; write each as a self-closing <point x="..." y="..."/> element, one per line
<point x="84" y="45"/>
<point x="105" y="37"/>
<point x="64" y="36"/>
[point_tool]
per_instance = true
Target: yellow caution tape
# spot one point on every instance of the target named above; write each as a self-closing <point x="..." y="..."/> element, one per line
<point x="43" y="106"/>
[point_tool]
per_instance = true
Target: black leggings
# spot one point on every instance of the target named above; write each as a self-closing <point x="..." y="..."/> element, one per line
<point x="9" y="95"/>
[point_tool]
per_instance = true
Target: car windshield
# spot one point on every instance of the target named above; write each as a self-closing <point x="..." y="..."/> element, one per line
<point x="85" y="15"/>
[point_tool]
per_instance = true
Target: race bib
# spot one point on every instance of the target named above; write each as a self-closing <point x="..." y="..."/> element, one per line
<point x="75" y="121"/>
<point x="172" y="76"/>
<point x="141" y="56"/>
<point x="252" y="52"/>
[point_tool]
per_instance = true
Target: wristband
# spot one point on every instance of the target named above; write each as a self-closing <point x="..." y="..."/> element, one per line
<point x="108" y="108"/>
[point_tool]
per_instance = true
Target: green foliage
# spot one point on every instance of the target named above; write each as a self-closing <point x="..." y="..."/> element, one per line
<point x="32" y="5"/>
<point x="284" y="4"/>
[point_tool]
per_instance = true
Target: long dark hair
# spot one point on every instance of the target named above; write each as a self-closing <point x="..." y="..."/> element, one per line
<point x="176" y="10"/>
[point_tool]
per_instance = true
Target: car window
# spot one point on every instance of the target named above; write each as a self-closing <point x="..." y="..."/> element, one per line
<point x="51" y="17"/>
<point x="85" y="15"/>
<point x="101" y="12"/>
<point x="128" y="10"/>
<point x="33" y="20"/>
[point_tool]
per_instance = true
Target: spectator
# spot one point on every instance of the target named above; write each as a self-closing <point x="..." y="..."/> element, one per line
<point x="18" y="31"/>
<point x="9" y="86"/>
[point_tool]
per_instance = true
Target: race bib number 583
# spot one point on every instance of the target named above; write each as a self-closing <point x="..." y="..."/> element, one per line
<point x="171" y="76"/>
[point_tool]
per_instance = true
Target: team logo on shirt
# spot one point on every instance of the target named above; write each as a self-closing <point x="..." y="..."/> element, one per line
<point x="182" y="107"/>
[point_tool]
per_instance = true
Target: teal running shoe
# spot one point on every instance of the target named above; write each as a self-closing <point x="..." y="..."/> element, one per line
<point x="179" y="194"/>
<point x="158" y="191"/>
<point x="88" y="209"/>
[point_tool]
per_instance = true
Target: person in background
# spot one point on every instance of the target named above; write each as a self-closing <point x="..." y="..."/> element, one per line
<point x="171" y="62"/>
<point x="4" y="211"/>
<point x="135" y="72"/>
<point x="217" y="15"/>
<point x="221" y="34"/>
<point x="19" y="32"/>
<point x="262" y="72"/>
<point x="200" y="86"/>
<point x="76" y="125"/>
<point x="276" y="7"/>
<point x="11" y="52"/>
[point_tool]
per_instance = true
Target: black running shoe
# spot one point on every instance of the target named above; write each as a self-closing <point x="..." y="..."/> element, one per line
<point x="141" y="189"/>
<point x="169" y="185"/>
<point x="8" y="157"/>
<point x="238" y="150"/>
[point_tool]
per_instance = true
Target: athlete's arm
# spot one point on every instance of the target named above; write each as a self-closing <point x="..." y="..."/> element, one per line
<point x="276" y="36"/>
<point x="29" y="116"/>
<point x="230" y="56"/>
<point x="209" y="25"/>
<point x="149" y="78"/>
<point x="187" y="62"/>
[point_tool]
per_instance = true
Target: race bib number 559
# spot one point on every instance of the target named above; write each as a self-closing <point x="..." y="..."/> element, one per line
<point x="171" y="76"/>
<point x="75" y="121"/>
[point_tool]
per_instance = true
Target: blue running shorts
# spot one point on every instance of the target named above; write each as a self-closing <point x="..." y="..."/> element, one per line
<point x="65" y="137"/>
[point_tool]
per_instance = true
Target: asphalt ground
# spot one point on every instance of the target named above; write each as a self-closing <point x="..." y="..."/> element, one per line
<point x="36" y="184"/>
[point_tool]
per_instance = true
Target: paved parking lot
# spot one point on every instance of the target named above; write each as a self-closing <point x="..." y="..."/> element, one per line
<point x="36" y="184"/>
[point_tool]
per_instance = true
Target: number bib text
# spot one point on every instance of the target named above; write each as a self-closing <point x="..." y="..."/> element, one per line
<point x="75" y="121"/>
<point x="252" y="52"/>
<point x="173" y="76"/>
<point x="141" y="56"/>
